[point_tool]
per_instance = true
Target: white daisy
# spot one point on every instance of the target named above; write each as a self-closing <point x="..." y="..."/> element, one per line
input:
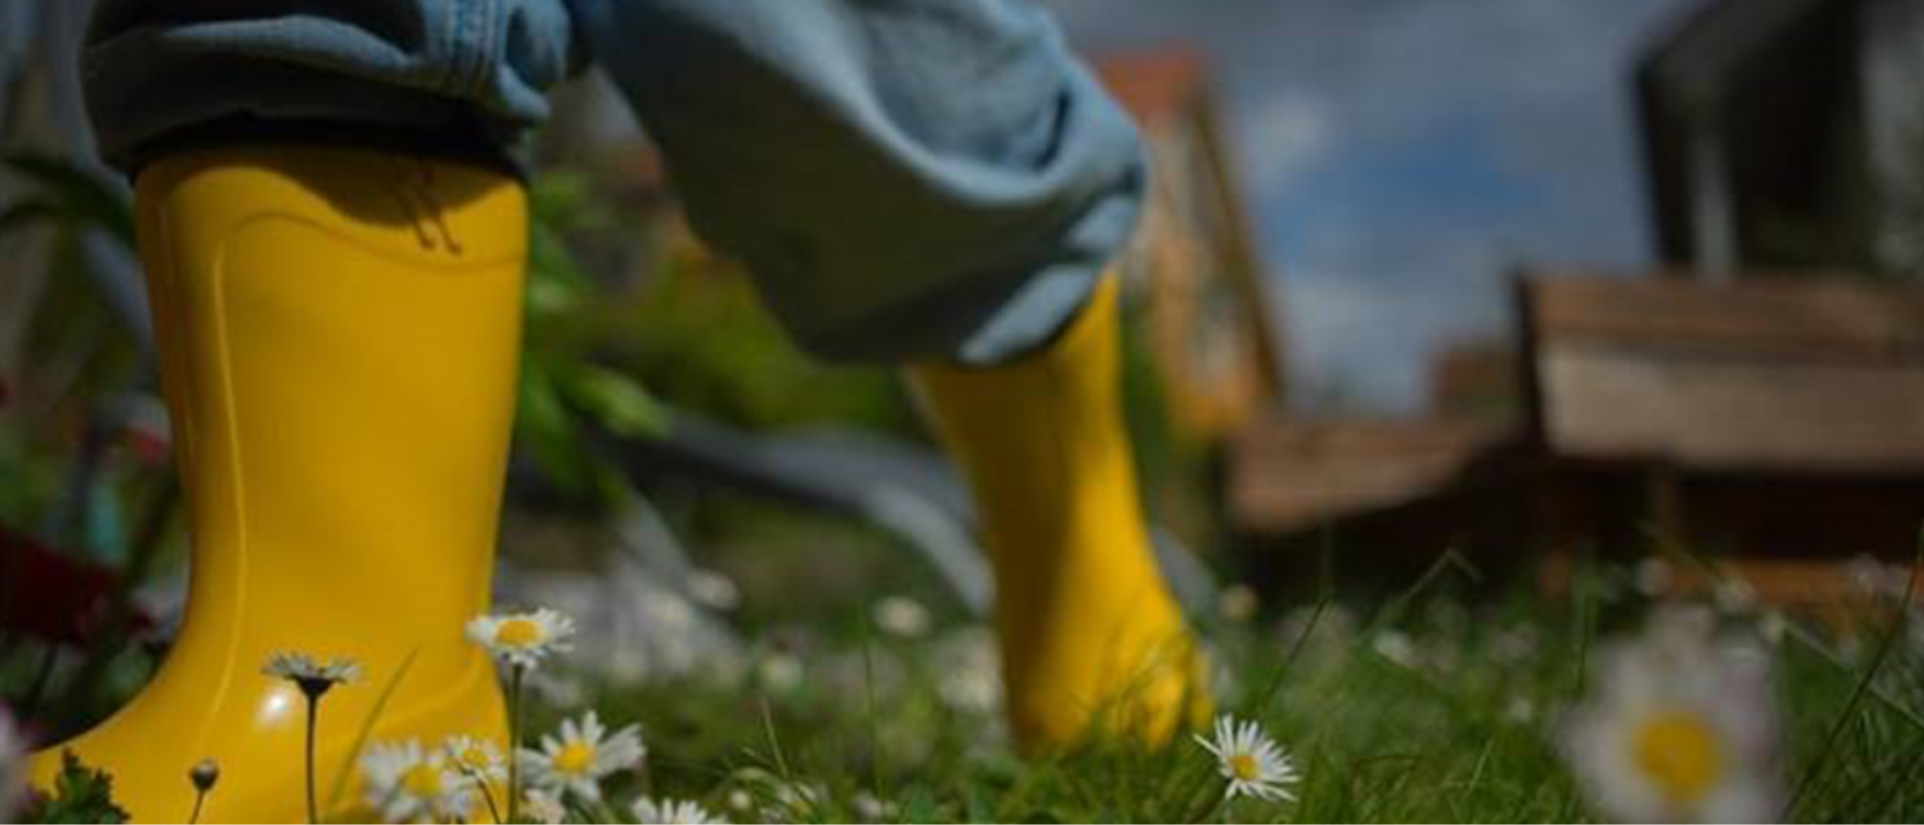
<point x="872" y="808"/>
<point x="671" y="812"/>
<point x="1520" y="710"/>
<point x="1734" y="596"/>
<point x="1238" y="603"/>
<point x="774" y="799"/>
<point x="714" y="590"/>
<point x="540" y="806"/>
<point x="1515" y="645"/>
<point x="779" y="672"/>
<point x="969" y="671"/>
<point x="1252" y="762"/>
<point x="1773" y="626"/>
<point x="523" y="639"/>
<point x="902" y="617"/>
<point x="1877" y="579"/>
<point x="1681" y="728"/>
<point x="406" y="783"/>
<point x="794" y="802"/>
<point x="1396" y="646"/>
<point x="1653" y="577"/>
<point x="476" y="758"/>
<point x="313" y="677"/>
<point x="584" y="753"/>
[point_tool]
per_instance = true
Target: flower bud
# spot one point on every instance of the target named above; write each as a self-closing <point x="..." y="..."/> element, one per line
<point x="204" y="774"/>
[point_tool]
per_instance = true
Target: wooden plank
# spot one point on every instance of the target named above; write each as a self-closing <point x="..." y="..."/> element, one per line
<point x="1803" y="376"/>
<point x="1721" y="414"/>
<point x="1288" y="475"/>
<point x="1789" y="317"/>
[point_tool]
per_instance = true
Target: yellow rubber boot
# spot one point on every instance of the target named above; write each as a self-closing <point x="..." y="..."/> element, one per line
<point x="339" y="331"/>
<point x="1092" y="641"/>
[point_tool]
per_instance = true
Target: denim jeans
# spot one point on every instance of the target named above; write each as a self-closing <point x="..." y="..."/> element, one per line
<point x="904" y="179"/>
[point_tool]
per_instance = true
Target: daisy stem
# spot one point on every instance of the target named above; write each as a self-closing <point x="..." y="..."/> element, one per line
<point x="493" y="810"/>
<point x="1215" y="802"/>
<point x="487" y="794"/>
<point x="580" y="810"/>
<point x="313" y="716"/>
<point x="514" y="742"/>
<point x="199" y="797"/>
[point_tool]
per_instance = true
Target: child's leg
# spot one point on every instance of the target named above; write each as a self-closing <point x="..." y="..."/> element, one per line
<point x="941" y="181"/>
<point x="1089" y="632"/>
<point x="338" y="328"/>
<point x="338" y="332"/>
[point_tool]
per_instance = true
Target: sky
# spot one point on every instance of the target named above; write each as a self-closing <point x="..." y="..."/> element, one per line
<point x="1402" y="158"/>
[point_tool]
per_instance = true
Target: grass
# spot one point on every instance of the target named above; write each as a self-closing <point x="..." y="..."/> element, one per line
<point x="1434" y="705"/>
<point x="1425" y="709"/>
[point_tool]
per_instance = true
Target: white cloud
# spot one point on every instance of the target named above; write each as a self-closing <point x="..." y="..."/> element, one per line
<point x="1279" y="137"/>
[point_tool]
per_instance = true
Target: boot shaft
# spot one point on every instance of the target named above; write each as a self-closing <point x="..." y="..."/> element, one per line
<point x="339" y="333"/>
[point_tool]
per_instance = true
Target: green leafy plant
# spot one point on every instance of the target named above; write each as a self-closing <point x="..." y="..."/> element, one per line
<point x="67" y="194"/>
<point x="81" y="794"/>
<point x="562" y="388"/>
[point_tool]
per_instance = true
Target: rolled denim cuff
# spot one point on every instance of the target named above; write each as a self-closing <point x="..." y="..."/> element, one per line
<point x="926" y="180"/>
<point x="904" y="180"/>
<point x="156" y="67"/>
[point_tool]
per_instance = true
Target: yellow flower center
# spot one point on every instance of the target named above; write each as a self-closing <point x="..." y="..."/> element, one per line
<point x="576" y="758"/>
<point x="1680" y="754"/>
<point x="517" y="633"/>
<point x="422" y="781"/>
<point x="474" y="757"/>
<point x="1244" y="767"/>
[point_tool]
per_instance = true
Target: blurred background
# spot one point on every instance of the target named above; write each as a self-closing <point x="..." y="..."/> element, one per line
<point x="1534" y="281"/>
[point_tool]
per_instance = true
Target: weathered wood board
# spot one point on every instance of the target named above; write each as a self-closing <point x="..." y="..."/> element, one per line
<point x="1291" y="474"/>
<point x="1776" y="375"/>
